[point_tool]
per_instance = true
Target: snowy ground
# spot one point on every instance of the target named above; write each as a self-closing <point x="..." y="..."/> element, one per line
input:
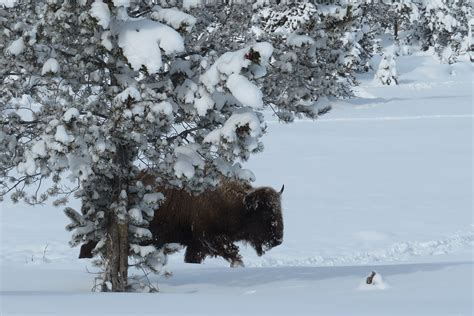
<point x="383" y="182"/>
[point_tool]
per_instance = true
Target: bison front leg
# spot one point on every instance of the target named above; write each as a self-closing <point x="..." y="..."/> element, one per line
<point x="195" y="253"/>
<point x="223" y="247"/>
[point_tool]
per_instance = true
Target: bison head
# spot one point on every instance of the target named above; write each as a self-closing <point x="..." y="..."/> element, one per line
<point x="265" y="220"/>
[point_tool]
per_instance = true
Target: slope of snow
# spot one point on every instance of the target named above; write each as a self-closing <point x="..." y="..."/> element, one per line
<point x="413" y="289"/>
<point x="382" y="183"/>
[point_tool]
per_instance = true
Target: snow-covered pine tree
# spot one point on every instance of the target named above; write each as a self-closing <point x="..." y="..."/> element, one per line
<point x="96" y="91"/>
<point x="387" y="72"/>
<point x="282" y="89"/>
<point x="366" y="31"/>
<point x="444" y="26"/>
<point x="92" y="74"/>
<point x="401" y="14"/>
<point x="317" y="51"/>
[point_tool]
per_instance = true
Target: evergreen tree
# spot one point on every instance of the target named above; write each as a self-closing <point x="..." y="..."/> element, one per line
<point x="316" y="41"/>
<point x="445" y="27"/>
<point x="97" y="91"/>
<point x="387" y="72"/>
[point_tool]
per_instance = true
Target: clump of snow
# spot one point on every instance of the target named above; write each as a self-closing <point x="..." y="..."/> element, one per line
<point x="138" y="109"/>
<point x="100" y="146"/>
<point x="204" y="103"/>
<point x="28" y="166"/>
<point x="257" y="31"/>
<point x="39" y="149"/>
<point x="243" y="174"/>
<point x="79" y="166"/>
<point x="228" y="63"/>
<point x="141" y="41"/>
<point x="100" y="11"/>
<point x="70" y="114"/>
<point x="164" y="107"/>
<point x="232" y="63"/>
<point x="135" y="215"/>
<point x="50" y="66"/>
<point x="105" y="40"/>
<point x="376" y="283"/>
<point x="299" y="40"/>
<point x="228" y="132"/>
<point x="188" y="4"/>
<point x="174" y="17"/>
<point x="7" y="3"/>
<point x="187" y="159"/>
<point x="62" y="136"/>
<point x="142" y="251"/>
<point x="140" y="232"/>
<point x="246" y="92"/>
<point x="151" y="198"/>
<point x="130" y="92"/>
<point x="16" y="47"/>
<point x="186" y="91"/>
<point x="122" y="3"/>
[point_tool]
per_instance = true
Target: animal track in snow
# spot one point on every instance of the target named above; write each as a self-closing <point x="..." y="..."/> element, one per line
<point x="401" y="251"/>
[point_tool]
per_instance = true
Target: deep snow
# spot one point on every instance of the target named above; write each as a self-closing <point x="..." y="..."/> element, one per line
<point x="383" y="182"/>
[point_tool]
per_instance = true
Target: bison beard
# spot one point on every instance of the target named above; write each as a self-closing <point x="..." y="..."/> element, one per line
<point x="210" y="223"/>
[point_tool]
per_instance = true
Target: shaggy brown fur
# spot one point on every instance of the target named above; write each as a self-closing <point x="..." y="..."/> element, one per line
<point x="210" y="223"/>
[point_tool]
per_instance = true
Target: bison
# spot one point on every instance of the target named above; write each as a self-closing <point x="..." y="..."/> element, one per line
<point x="209" y="224"/>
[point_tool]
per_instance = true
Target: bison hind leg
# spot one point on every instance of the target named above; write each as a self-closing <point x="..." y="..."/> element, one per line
<point x="238" y="263"/>
<point x="86" y="249"/>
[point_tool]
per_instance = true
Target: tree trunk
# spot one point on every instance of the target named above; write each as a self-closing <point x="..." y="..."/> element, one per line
<point x="117" y="228"/>
<point x="117" y="254"/>
<point x="395" y="29"/>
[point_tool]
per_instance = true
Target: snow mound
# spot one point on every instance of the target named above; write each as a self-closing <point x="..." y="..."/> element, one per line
<point x="376" y="283"/>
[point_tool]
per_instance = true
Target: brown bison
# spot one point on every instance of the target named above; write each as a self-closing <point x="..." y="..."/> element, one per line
<point x="210" y="223"/>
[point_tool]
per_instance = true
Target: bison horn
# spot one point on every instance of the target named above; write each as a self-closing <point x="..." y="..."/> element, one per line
<point x="282" y="189"/>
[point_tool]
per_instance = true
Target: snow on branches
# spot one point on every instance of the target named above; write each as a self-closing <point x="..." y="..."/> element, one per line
<point x="94" y="92"/>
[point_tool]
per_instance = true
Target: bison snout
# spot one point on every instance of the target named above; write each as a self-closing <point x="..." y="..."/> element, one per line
<point x="277" y="242"/>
